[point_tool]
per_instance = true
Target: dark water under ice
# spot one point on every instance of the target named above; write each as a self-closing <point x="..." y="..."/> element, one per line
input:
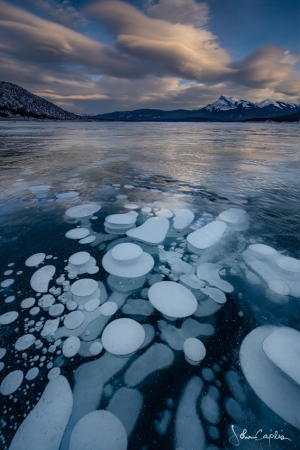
<point x="207" y="168"/>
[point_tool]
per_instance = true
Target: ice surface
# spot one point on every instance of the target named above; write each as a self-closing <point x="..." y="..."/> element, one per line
<point x="206" y="236"/>
<point x="282" y="347"/>
<point x="126" y="405"/>
<point x="11" y="382"/>
<point x="183" y="218"/>
<point x="44" y="426"/>
<point x="172" y="299"/>
<point x="85" y="210"/>
<point x="278" y="392"/>
<point x="35" y="259"/>
<point x="123" y="336"/>
<point x="189" y="433"/>
<point x="157" y="357"/>
<point x="77" y="233"/>
<point x="71" y="346"/>
<point x="41" y="278"/>
<point x="128" y="261"/>
<point x="153" y="231"/>
<point x="194" y="349"/>
<point x="8" y="317"/>
<point x="24" y="342"/>
<point x="99" y="428"/>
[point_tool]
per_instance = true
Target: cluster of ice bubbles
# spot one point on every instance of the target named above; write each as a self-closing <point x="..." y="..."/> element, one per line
<point x="76" y="319"/>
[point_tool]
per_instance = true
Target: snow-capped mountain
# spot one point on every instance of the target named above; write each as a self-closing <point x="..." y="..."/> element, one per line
<point x="16" y="102"/>
<point x="227" y="103"/>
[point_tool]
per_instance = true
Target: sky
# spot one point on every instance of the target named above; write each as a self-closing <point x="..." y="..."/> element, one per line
<point x="93" y="57"/>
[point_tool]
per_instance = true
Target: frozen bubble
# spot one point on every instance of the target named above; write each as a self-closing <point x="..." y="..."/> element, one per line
<point x="280" y="287"/>
<point x="71" y="305"/>
<point x="87" y="240"/>
<point x="288" y="263"/>
<point x="91" y="305"/>
<point x="71" y="346"/>
<point x="44" y="426"/>
<point x="96" y="348"/>
<point x="2" y="352"/>
<point x="41" y="278"/>
<point x="24" y="342"/>
<point x="70" y="194"/>
<point x="108" y="308"/>
<point x="46" y="301"/>
<point x="120" y="196"/>
<point x="126" y="404"/>
<point x="164" y="212"/>
<point x="122" y="220"/>
<point x="172" y="299"/>
<point x="92" y="270"/>
<point x="282" y="347"/>
<point x="40" y="188"/>
<point x="98" y="427"/>
<point x="2" y="365"/>
<point x="263" y="250"/>
<point x="215" y="294"/>
<point x="210" y="272"/>
<point x="84" y="289"/>
<point x="8" y="317"/>
<point x="210" y="409"/>
<point x="208" y="374"/>
<point x="56" y="310"/>
<point x="127" y="260"/>
<point x="157" y="357"/>
<point x="194" y="349"/>
<point x="146" y="209"/>
<point x="34" y="311"/>
<point x="54" y="373"/>
<point x="279" y="392"/>
<point x="28" y="302"/>
<point x="73" y="320"/>
<point x="11" y="382"/>
<point x="85" y="210"/>
<point x="10" y="299"/>
<point x="138" y="307"/>
<point x="206" y="236"/>
<point x="32" y="373"/>
<point x="233" y="215"/>
<point x="183" y="218"/>
<point x="8" y="272"/>
<point x="153" y="231"/>
<point x="77" y="233"/>
<point x="131" y="206"/>
<point x="7" y="282"/>
<point x="50" y="327"/>
<point x="79" y="258"/>
<point x="35" y="259"/>
<point x="123" y="336"/>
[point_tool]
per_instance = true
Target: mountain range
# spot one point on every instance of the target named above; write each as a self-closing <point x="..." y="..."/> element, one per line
<point x="16" y="102"/>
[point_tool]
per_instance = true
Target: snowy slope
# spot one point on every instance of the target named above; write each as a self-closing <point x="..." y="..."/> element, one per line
<point x="226" y="103"/>
<point x="16" y="102"/>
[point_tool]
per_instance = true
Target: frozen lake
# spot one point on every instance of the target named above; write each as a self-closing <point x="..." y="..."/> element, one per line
<point x="163" y="314"/>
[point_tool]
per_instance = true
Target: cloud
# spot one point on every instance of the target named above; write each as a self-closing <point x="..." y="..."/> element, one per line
<point x="34" y="40"/>
<point x="62" y="12"/>
<point x="187" y="12"/>
<point x="163" y="48"/>
<point x="268" y="66"/>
